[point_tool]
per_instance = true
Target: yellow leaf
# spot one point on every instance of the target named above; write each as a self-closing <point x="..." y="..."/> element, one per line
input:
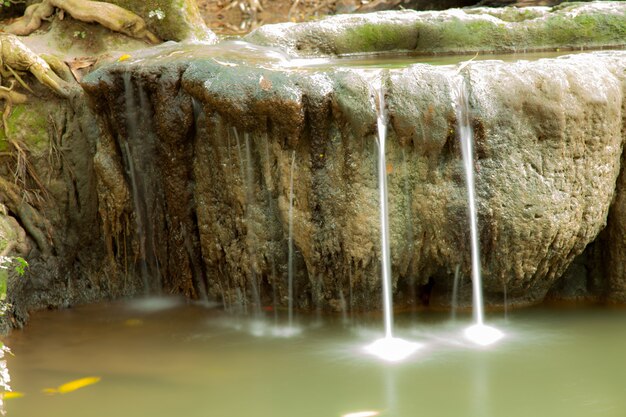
<point x="12" y="394"/>
<point x="123" y="57"/>
<point x="73" y="385"/>
<point x="133" y="322"/>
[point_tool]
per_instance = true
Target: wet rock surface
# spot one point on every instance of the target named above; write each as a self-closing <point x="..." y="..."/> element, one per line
<point x="171" y="169"/>
<point x="548" y="148"/>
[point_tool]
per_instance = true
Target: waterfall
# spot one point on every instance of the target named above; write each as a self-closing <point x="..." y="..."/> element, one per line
<point x="388" y="348"/>
<point x="478" y="333"/>
<point x="466" y="136"/>
<point x="135" y="148"/>
<point x="381" y="122"/>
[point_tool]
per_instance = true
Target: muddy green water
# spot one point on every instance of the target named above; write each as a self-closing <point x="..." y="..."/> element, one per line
<point x="184" y="360"/>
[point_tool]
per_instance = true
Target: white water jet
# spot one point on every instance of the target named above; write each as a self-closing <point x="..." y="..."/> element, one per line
<point x="478" y="333"/>
<point x="381" y="121"/>
<point x="389" y="348"/>
<point x="455" y="292"/>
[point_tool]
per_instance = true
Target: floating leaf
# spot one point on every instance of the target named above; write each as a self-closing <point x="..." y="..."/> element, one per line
<point x="133" y="322"/>
<point x="123" y="57"/>
<point x="73" y="385"/>
<point x="9" y="395"/>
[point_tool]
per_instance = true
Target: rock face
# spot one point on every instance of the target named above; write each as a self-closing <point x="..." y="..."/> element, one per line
<point x="549" y="139"/>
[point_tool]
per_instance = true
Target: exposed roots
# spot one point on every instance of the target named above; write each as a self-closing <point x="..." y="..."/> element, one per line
<point x="15" y="56"/>
<point x="108" y="15"/>
<point x="34" y="224"/>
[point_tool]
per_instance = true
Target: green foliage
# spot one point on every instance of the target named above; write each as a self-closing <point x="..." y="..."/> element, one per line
<point x="21" y="266"/>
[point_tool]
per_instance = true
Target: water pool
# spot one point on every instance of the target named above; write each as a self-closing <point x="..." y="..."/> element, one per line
<point x="167" y="358"/>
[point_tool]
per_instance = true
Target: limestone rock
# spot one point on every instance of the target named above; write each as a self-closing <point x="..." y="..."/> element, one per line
<point x="455" y="31"/>
<point x="548" y="150"/>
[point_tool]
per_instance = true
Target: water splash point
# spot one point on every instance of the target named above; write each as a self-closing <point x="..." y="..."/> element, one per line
<point x="392" y="349"/>
<point x="483" y="335"/>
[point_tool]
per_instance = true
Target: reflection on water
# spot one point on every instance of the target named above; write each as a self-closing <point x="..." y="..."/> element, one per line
<point x="187" y="360"/>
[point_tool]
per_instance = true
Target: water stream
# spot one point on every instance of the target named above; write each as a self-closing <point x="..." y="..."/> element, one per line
<point x="290" y="244"/>
<point x="381" y="122"/>
<point x="388" y="348"/>
<point x="135" y="146"/>
<point x="479" y="332"/>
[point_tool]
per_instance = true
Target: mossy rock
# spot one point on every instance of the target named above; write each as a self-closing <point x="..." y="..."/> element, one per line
<point x="7" y="232"/>
<point x="174" y="20"/>
<point x="575" y="26"/>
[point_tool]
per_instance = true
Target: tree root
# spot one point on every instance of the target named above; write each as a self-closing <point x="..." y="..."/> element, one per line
<point x="108" y="15"/>
<point x="18" y="57"/>
<point x="33" y="222"/>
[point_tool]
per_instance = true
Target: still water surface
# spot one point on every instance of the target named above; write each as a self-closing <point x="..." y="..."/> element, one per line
<point x="165" y="358"/>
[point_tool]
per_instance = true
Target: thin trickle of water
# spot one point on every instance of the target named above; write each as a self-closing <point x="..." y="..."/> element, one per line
<point x="388" y="348"/>
<point x="290" y="243"/>
<point x="506" y="301"/>
<point x="454" y="304"/>
<point x="478" y="333"/>
<point x="252" y="238"/>
<point x="344" y="308"/>
<point x="350" y="293"/>
<point x="272" y="211"/>
<point x="381" y="122"/>
<point x="466" y="135"/>
<point x="239" y="156"/>
<point x="139" y="222"/>
<point x="136" y="114"/>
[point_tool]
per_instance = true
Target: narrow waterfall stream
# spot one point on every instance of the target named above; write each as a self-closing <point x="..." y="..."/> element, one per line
<point x="134" y="148"/>
<point x="388" y="348"/>
<point x="479" y="332"/>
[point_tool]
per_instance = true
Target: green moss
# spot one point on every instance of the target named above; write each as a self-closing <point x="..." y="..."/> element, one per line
<point x="556" y="31"/>
<point x="581" y="30"/>
<point x="180" y="20"/>
<point x="29" y="124"/>
<point x="374" y="37"/>
<point x="460" y="36"/>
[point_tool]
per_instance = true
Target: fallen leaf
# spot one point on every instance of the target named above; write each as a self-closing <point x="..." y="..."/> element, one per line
<point x="12" y="394"/>
<point x="123" y="57"/>
<point x="73" y="385"/>
<point x="78" y="64"/>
